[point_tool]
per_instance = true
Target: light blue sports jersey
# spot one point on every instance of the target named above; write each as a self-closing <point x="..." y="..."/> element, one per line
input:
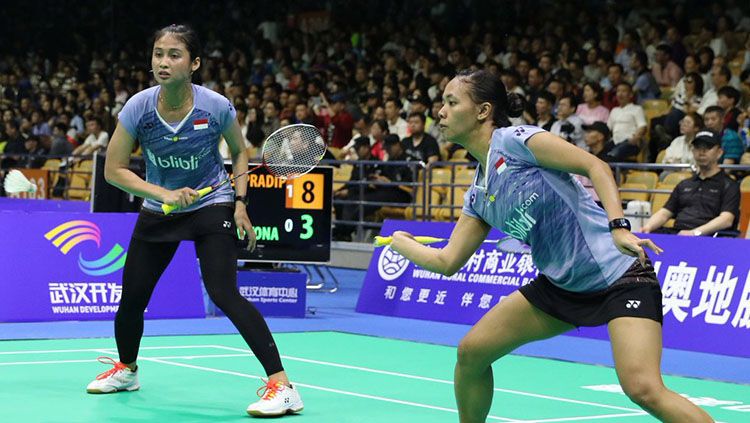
<point x="547" y="209"/>
<point x="186" y="154"/>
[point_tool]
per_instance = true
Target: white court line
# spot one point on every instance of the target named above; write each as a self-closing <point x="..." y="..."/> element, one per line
<point x="178" y="347"/>
<point x="322" y="388"/>
<point x="447" y="382"/>
<point x="91" y="360"/>
<point x="603" y="416"/>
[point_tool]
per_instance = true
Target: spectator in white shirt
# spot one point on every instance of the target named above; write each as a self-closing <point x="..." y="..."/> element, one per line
<point x="96" y="140"/>
<point x="627" y="123"/>
<point x="396" y="124"/>
<point x="680" y="151"/>
<point x="720" y="77"/>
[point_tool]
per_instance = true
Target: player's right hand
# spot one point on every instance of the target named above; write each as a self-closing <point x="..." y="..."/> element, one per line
<point x="180" y="198"/>
<point x="403" y="235"/>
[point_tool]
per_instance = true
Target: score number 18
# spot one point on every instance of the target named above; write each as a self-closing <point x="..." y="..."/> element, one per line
<point x="305" y="192"/>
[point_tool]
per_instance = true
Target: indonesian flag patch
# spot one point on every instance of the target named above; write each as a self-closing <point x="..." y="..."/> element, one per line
<point x="500" y="166"/>
<point x="199" y="124"/>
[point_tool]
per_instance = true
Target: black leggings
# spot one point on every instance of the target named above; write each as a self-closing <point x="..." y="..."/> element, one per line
<point x="145" y="263"/>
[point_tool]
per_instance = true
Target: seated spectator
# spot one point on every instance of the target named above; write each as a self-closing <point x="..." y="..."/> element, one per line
<point x="15" y="145"/>
<point x="666" y="72"/>
<point x="615" y="75"/>
<point x="680" y="151"/>
<point x="396" y="124"/>
<point x="598" y="142"/>
<point x="420" y="146"/>
<point x="342" y="121"/>
<point x="704" y="204"/>
<point x="591" y="71"/>
<point x="686" y="99"/>
<point x="627" y="123"/>
<point x="545" y="101"/>
<point x="728" y="99"/>
<point x="62" y="144"/>
<point x="36" y="153"/>
<point x="270" y="119"/>
<point x="39" y="127"/>
<point x="435" y="128"/>
<point x="645" y="86"/>
<point x="378" y="130"/>
<point x="743" y="121"/>
<point x="568" y="125"/>
<point x="720" y="77"/>
<point x="731" y="145"/>
<point x="378" y="133"/>
<point x="96" y="140"/>
<point x="421" y="104"/>
<point x="592" y="110"/>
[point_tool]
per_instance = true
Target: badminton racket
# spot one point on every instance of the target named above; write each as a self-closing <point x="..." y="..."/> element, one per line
<point x="507" y="244"/>
<point x="291" y="151"/>
<point x="16" y="182"/>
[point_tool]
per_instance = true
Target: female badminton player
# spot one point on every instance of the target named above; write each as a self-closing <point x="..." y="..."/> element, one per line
<point x="593" y="270"/>
<point x="179" y="126"/>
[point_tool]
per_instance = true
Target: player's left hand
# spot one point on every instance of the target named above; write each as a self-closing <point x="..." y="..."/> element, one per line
<point x="244" y="227"/>
<point x="631" y="245"/>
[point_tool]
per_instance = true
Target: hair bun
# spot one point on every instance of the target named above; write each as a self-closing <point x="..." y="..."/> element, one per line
<point x="516" y="104"/>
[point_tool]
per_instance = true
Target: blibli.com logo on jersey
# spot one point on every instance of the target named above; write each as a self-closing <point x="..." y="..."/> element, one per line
<point x="521" y="223"/>
<point x="69" y="234"/>
<point x="173" y="162"/>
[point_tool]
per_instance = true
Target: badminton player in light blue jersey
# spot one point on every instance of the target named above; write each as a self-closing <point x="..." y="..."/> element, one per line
<point x="179" y="126"/>
<point x="593" y="270"/>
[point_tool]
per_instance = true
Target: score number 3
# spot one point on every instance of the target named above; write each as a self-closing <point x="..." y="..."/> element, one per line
<point x="307" y="226"/>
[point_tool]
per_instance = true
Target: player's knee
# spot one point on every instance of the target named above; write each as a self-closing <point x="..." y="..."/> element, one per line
<point x="470" y="354"/>
<point x="644" y="391"/>
<point x="224" y="298"/>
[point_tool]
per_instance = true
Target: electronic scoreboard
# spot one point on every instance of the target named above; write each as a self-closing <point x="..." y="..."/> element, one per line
<point x="291" y="218"/>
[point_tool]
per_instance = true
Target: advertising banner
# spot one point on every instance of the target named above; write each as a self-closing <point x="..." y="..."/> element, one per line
<point x="705" y="286"/>
<point x="68" y="266"/>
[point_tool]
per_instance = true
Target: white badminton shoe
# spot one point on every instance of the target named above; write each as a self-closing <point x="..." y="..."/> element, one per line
<point x="118" y="378"/>
<point x="276" y="399"/>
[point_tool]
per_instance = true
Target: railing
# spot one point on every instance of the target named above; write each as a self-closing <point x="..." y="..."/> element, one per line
<point x="437" y="189"/>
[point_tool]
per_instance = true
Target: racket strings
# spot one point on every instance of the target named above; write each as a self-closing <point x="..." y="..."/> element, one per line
<point x="293" y="150"/>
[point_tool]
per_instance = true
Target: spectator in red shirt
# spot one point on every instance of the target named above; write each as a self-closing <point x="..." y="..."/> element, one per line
<point x="342" y="122"/>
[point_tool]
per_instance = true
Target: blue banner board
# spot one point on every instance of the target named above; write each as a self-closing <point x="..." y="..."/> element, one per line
<point x="705" y="286"/>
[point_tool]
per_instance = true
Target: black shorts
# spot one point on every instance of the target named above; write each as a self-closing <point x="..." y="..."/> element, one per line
<point x="636" y="294"/>
<point x="157" y="227"/>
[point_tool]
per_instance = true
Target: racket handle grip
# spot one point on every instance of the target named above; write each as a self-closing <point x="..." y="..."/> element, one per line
<point x="167" y="208"/>
<point x="381" y="241"/>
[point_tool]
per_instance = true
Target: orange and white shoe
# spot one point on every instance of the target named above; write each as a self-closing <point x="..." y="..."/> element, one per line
<point x="276" y="399"/>
<point x="118" y="378"/>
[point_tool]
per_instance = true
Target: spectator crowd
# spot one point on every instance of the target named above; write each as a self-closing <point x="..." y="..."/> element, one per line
<point x="627" y="80"/>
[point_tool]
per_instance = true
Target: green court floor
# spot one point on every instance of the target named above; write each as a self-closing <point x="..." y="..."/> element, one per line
<point x="342" y="378"/>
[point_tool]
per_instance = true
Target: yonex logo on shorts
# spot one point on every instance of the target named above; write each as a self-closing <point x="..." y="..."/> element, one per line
<point x="227" y="224"/>
<point x="633" y="304"/>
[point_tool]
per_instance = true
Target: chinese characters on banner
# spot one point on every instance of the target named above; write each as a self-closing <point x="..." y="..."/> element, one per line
<point x="705" y="287"/>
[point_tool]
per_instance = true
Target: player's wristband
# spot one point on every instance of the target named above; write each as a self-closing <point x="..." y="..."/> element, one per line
<point x="242" y="198"/>
<point x="620" y="223"/>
